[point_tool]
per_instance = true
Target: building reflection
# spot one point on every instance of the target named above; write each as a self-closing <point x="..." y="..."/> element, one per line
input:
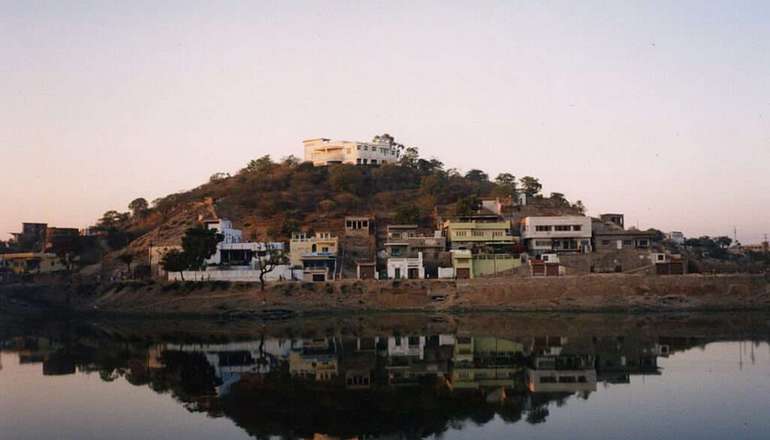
<point x="398" y="385"/>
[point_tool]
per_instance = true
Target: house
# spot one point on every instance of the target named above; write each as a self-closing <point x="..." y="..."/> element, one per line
<point x="32" y="236"/>
<point x="676" y="237"/>
<point x="366" y="270"/>
<point x="233" y="252"/>
<point x="618" y="240"/>
<point x="462" y="262"/>
<point x="561" y="374"/>
<point x="407" y="248"/>
<point x="322" y="152"/>
<point x="609" y="234"/>
<point x="359" y="226"/>
<point x="480" y="236"/>
<point x="556" y="234"/>
<point x="406" y="267"/>
<point x="60" y="239"/>
<point x="546" y="266"/>
<point x="669" y="264"/>
<point x="238" y="260"/>
<point x="320" y="244"/>
<point x="614" y="219"/>
<point x="22" y="263"/>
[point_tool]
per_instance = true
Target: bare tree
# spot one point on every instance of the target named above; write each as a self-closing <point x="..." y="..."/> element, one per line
<point x="267" y="259"/>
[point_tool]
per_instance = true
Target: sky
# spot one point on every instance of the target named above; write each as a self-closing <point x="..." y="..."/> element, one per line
<point x="656" y="109"/>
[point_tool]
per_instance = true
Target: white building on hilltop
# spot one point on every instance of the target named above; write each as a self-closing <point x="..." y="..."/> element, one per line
<point x="324" y="151"/>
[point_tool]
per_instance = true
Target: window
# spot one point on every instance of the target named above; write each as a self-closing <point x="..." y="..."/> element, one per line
<point x="374" y="161"/>
<point x="561" y="228"/>
<point x="628" y="242"/>
<point x="478" y="233"/>
<point x="542" y="228"/>
<point x="605" y="242"/>
<point x="548" y="379"/>
<point x="577" y="227"/>
<point x="364" y="161"/>
<point x="542" y="243"/>
<point x="643" y="243"/>
<point x="358" y="161"/>
<point x="366" y="148"/>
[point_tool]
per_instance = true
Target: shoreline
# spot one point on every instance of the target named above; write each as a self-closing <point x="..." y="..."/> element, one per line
<point x="598" y="293"/>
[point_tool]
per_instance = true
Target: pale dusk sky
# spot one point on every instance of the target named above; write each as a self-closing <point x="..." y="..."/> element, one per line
<point x="656" y="109"/>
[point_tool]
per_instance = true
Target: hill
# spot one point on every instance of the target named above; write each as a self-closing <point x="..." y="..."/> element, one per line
<point x="270" y="200"/>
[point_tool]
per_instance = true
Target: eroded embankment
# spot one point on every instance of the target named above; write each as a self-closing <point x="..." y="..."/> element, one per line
<point x="579" y="293"/>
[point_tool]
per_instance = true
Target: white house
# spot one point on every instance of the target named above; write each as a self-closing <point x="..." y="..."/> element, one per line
<point x="237" y="260"/>
<point x="324" y="151"/>
<point x="406" y="267"/>
<point x="569" y="233"/>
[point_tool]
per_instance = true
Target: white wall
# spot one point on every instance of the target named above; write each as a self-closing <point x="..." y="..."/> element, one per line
<point x="530" y="224"/>
<point x="404" y="264"/>
<point x="247" y="276"/>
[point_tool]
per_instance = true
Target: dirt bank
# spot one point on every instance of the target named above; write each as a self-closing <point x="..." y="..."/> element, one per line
<point x="577" y="293"/>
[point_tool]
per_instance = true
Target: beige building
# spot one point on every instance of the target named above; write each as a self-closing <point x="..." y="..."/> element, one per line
<point x="568" y="233"/>
<point x="32" y="262"/>
<point x="324" y="151"/>
<point x="480" y="236"/>
<point x="320" y="244"/>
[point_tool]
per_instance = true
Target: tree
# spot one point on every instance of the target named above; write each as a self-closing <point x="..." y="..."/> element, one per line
<point x="467" y="205"/>
<point x="199" y="244"/>
<point x="530" y="185"/>
<point x="559" y="198"/>
<point x="477" y="176"/>
<point x="407" y="214"/>
<point x="260" y="165"/>
<point x="410" y="158"/>
<point x="723" y="241"/>
<point x="175" y="261"/>
<point x="68" y="249"/>
<point x="580" y="207"/>
<point x="138" y="206"/>
<point x="507" y="181"/>
<point x="267" y="261"/>
<point x="346" y="178"/>
<point x="112" y="219"/>
<point x="218" y="177"/>
<point x="126" y="258"/>
<point x="290" y="160"/>
<point x="429" y="166"/>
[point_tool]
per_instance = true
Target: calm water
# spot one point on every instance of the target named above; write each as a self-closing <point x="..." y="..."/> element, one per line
<point x="426" y="377"/>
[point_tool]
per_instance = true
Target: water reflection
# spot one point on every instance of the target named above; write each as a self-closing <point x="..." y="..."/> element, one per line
<point x="408" y="385"/>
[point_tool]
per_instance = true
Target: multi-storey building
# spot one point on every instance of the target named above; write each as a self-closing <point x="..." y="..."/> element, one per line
<point x="324" y="151"/>
<point x="557" y="234"/>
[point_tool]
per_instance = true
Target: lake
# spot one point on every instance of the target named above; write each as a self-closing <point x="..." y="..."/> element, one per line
<point x="570" y="376"/>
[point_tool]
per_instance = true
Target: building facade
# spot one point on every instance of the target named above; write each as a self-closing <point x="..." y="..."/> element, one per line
<point x="322" y="152"/>
<point x="557" y="234"/>
<point x="477" y="236"/>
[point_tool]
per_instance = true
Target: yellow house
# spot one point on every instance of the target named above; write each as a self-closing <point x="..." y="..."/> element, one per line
<point x="32" y="262"/>
<point x="474" y="234"/>
<point x="320" y="245"/>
